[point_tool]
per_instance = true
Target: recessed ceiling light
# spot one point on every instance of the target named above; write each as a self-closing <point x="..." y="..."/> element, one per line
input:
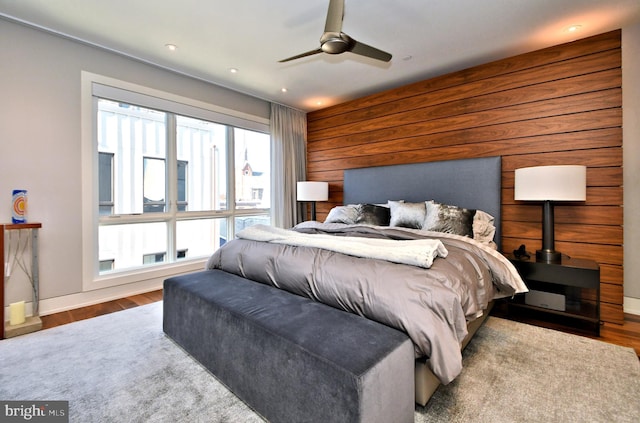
<point x="283" y="89"/>
<point x="171" y="47"/>
<point x="318" y="102"/>
<point x="573" y="28"/>
<point x="233" y="70"/>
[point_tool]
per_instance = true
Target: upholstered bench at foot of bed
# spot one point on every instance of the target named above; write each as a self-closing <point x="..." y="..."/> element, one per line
<point x="290" y="358"/>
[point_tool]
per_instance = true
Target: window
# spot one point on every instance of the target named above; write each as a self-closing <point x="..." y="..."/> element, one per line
<point x="182" y="185"/>
<point x="154" y="258"/>
<point x="253" y="176"/>
<point x="154" y="185"/>
<point x="173" y="183"/>
<point x="106" y="265"/>
<point x="105" y="190"/>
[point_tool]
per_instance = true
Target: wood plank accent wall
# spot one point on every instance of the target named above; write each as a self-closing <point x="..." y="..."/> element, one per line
<point x="559" y="105"/>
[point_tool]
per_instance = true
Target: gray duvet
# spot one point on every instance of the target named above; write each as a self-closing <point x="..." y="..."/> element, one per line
<point x="432" y="305"/>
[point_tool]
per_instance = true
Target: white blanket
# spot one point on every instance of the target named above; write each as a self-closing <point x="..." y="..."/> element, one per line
<point x="420" y="252"/>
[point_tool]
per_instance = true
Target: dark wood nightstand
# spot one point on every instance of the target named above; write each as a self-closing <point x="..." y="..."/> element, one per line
<point x="567" y="293"/>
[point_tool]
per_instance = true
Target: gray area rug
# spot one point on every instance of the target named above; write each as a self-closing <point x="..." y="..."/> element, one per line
<point x="122" y="368"/>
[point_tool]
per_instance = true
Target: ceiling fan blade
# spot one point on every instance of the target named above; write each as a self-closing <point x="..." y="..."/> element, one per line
<point x="368" y="51"/>
<point x="335" y="14"/>
<point x="299" y="56"/>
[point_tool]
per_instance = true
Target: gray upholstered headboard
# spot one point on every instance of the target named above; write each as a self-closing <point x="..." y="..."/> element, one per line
<point x="469" y="183"/>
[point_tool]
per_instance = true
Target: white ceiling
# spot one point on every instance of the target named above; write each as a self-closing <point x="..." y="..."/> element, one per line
<point x="426" y="37"/>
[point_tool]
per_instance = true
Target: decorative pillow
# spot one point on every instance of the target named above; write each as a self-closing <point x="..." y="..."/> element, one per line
<point x="343" y="214"/>
<point x="449" y="219"/>
<point x="371" y="214"/>
<point x="483" y="228"/>
<point x="408" y="215"/>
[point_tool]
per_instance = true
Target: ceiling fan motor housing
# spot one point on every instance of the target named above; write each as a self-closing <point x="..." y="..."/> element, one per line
<point x="335" y="42"/>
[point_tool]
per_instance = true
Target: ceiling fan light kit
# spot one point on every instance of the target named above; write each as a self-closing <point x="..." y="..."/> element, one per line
<point x="334" y="41"/>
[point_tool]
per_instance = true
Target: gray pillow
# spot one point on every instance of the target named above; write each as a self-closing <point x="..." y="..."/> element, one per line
<point x="372" y="214"/>
<point x="408" y="215"/>
<point x="449" y="219"/>
<point x="343" y="214"/>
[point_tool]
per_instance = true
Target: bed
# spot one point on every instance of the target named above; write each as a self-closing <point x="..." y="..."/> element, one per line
<point x="469" y="183"/>
<point x="345" y="264"/>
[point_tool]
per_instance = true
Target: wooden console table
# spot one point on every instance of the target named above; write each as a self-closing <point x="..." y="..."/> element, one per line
<point x="33" y="227"/>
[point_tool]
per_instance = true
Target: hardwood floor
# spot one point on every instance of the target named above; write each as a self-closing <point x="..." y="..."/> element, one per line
<point x="627" y="334"/>
<point x="82" y="313"/>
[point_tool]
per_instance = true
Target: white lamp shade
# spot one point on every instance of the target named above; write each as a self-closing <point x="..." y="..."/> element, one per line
<point x="312" y="191"/>
<point x="552" y="183"/>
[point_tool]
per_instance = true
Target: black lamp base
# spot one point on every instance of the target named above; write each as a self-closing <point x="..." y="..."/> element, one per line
<point x="548" y="256"/>
<point x="313" y="210"/>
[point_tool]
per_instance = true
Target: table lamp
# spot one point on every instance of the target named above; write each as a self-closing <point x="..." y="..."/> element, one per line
<point x="312" y="191"/>
<point x="550" y="184"/>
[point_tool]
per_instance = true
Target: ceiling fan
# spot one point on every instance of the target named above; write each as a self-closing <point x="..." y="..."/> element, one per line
<point x="334" y="41"/>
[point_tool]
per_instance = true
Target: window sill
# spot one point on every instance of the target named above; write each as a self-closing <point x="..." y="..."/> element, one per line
<point x="144" y="274"/>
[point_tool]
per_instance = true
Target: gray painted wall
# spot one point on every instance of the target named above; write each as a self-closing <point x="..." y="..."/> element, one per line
<point x="40" y="139"/>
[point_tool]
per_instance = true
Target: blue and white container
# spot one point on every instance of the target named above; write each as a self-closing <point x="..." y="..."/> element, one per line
<point x="19" y="214"/>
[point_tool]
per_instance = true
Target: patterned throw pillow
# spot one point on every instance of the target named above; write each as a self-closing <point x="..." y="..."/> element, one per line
<point x="449" y="219"/>
<point x="408" y="215"/>
<point x="372" y="214"/>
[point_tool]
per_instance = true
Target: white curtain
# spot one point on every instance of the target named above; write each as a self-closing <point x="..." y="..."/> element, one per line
<point x="289" y="157"/>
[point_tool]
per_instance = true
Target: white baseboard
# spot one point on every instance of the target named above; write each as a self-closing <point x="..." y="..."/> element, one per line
<point x="108" y="293"/>
<point x="83" y="299"/>
<point x="632" y="305"/>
